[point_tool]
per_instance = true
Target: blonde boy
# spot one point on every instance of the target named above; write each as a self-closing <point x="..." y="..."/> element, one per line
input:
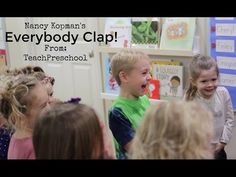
<point x="130" y="68"/>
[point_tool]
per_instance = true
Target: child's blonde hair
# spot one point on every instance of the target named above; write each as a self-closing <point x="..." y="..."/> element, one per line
<point x="125" y="61"/>
<point x="198" y="64"/>
<point x="174" y="130"/>
<point x="35" y="71"/>
<point x="15" y="100"/>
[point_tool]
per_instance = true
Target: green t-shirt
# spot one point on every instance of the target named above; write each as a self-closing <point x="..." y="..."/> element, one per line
<point x="126" y="115"/>
<point x="133" y="108"/>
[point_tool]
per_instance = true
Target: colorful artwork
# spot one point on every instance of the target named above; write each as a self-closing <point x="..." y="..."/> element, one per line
<point x="152" y="90"/>
<point x="177" y="31"/>
<point x="145" y="32"/>
<point x="178" y="34"/>
<point x="110" y="84"/>
<point x="171" y="79"/>
<point x="120" y="28"/>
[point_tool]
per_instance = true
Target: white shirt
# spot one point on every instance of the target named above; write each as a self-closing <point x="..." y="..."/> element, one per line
<point x="221" y="106"/>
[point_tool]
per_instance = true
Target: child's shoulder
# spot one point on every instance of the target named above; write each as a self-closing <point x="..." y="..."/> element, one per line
<point x="221" y="89"/>
<point x="118" y="103"/>
<point x="124" y="102"/>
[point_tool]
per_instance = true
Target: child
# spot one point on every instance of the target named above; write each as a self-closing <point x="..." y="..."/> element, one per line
<point x="22" y="100"/>
<point x="5" y="129"/>
<point x="203" y="88"/>
<point x="131" y="70"/>
<point x="174" y="130"/>
<point x="39" y="73"/>
<point x="69" y="131"/>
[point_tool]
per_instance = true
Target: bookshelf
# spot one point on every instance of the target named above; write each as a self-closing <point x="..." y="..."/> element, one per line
<point x="158" y="52"/>
<point x="185" y="56"/>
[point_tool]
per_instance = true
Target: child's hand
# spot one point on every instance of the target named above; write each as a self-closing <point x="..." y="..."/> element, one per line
<point x="219" y="146"/>
<point x="109" y="151"/>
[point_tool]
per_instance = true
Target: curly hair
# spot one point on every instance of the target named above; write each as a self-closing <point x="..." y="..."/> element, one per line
<point x="174" y="130"/>
<point x="14" y="100"/>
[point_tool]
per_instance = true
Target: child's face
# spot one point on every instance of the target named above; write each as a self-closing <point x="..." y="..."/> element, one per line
<point x="40" y="100"/>
<point x="46" y="82"/>
<point x="49" y="88"/>
<point x="207" y="82"/>
<point x="138" y="78"/>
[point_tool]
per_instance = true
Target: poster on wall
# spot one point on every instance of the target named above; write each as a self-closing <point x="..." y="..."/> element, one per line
<point x="222" y="48"/>
<point x="178" y="34"/>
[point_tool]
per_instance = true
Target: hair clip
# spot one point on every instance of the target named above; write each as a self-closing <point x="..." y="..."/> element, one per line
<point x="74" y="100"/>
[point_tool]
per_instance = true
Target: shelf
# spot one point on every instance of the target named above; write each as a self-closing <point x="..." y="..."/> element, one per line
<point x="181" y="53"/>
<point x="110" y="96"/>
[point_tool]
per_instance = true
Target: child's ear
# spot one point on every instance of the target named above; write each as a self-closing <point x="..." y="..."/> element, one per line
<point x="192" y="82"/>
<point x="123" y="76"/>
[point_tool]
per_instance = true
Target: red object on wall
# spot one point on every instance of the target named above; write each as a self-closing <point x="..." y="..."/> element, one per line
<point x="152" y="89"/>
<point x="2" y="56"/>
<point x="213" y="29"/>
<point x="213" y="45"/>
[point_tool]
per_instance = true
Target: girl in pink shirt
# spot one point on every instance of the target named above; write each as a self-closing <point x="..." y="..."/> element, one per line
<point x="22" y="100"/>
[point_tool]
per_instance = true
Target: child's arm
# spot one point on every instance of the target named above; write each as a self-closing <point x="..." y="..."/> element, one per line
<point x="128" y="145"/>
<point x="121" y="128"/>
<point x="109" y="150"/>
<point x="229" y="119"/>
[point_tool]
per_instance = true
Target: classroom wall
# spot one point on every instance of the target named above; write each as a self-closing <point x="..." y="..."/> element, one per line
<point x="15" y="49"/>
<point x="202" y="31"/>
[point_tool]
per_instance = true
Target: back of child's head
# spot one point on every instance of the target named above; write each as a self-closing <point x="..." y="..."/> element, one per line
<point x="174" y="130"/>
<point x="15" y="98"/>
<point x="31" y="69"/>
<point x="28" y="70"/>
<point x="125" y="61"/>
<point x="68" y="131"/>
<point x="198" y="64"/>
<point x="35" y="71"/>
<point x="38" y="72"/>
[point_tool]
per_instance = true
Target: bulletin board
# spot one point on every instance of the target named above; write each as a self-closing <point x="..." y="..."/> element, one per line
<point x="222" y="48"/>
